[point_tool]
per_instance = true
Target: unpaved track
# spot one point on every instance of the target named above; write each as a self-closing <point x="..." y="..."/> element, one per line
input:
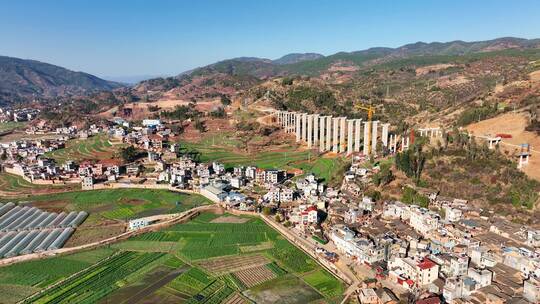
<point x="513" y="124"/>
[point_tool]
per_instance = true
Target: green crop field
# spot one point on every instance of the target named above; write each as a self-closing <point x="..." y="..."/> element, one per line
<point x="16" y="185"/>
<point x="202" y="239"/>
<point x="322" y="281"/>
<point x="100" y="279"/>
<point x="96" y="147"/>
<point x="33" y="273"/>
<point x="122" y="203"/>
<point x="168" y="262"/>
<point x="11" y="125"/>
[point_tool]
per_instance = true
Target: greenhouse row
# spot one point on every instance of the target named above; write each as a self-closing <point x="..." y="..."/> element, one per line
<point x="15" y="243"/>
<point x="24" y="218"/>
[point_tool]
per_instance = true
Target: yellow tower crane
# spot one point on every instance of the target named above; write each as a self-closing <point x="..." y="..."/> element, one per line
<point x="370" y="111"/>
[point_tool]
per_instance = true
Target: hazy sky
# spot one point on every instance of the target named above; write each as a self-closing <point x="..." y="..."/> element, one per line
<point x="121" y="38"/>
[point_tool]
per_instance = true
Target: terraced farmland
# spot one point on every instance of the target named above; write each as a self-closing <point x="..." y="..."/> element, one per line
<point x="96" y="147"/>
<point x="11" y="125"/>
<point x="223" y="149"/>
<point x="14" y="185"/>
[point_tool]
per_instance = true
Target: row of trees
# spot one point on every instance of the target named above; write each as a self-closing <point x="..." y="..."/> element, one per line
<point x="412" y="162"/>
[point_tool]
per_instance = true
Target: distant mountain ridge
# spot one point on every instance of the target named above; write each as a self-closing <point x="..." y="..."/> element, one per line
<point x="297" y="57"/>
<point x="312" y="63"/>
<point x="22" y="79"/>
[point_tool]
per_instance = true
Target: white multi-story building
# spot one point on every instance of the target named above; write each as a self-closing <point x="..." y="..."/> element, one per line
<point x="531" y="290"/>
<point x="533" y="238"/>
<point x="279" y="194"/>
<point x="364" y="250"/>
<point x="87" y="183"/>
<point x="366" y="203"/>
<point x="237" y="182"/>
<point x="459" y="265"/>
<point x="423" y="221"/>
<point x="452" y="214"/>
<point x="251" y="172"/>
<point x="218" y="168"/>
<point x="482" y="277"/>
<point x="151" y="122"/>
<point x="305" y="215"/>
<point x="422" y="271"/>
<point x="396" y="210"/>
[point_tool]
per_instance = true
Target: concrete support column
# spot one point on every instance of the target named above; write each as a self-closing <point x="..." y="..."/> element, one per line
<point x="289" y="121"/>
<point x="322" y="139"/>
<point x="315" y="129"/>
<point x="350" y="140"/>
<point x="367" y="129"/>
<point x="310" y="131"/>
<point x="405" y="143"/>
<point x="335" y="134"/>
<point x="297" y="122"/>
<point x="384" y="135"/>
<point x="342" y="139"/>
<point x="357" y="135"/>
<point x="374" y="138"/>
<point x="304" y="126"/>
<point x="328" y="132"/>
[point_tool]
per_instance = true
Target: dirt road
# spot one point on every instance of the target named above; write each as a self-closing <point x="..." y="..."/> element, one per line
<point x="513" y="124"/>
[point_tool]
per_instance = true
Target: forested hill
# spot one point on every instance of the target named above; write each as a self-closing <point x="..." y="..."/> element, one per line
<point x="22" y="80"/>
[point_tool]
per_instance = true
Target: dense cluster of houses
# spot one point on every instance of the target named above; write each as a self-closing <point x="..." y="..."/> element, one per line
<point x="449" y="252"/>
<point x="24" y="114"/>
<point x="453" y="254"/>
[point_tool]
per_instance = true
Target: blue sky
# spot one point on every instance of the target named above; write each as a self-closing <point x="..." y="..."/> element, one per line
<point x="153" y="37"/>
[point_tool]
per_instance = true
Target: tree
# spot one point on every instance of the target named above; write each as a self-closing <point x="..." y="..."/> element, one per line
<point x="177" y="128"/>
<point x="200" y="125"/>
<point x="225" y="100"/>
<point x="411" y="196"/>
<point x="218" y="113"/>
<point x="374" y="194"/>
<point x="267" y="210"/>
<point x="411" y="162"/>
<point x="129" y="154"/>
<point x="384" y="176"/>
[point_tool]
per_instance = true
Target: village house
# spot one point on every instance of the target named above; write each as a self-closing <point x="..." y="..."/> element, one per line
<point x="279" y="195"/>
<point x="421" y="270"/>
<point x="423" y="221"/>
<point x="305" y="215"/>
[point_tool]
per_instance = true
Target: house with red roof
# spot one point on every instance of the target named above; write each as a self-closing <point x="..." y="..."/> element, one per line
<point x="305" y="215"/>
<point x="420" y="270"/>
